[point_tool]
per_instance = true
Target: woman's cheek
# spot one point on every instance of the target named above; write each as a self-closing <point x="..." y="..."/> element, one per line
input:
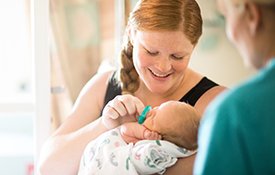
<point x="180" y="66"/>
<point x="141" y="60"/>
<point x="145" y="58"/>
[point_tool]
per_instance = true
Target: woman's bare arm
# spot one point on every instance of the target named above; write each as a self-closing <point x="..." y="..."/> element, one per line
<point x="61" y="154"/>
<point x="208" y="97"/>
<point x="62" y="151"/>
<point x="184" y="166"/>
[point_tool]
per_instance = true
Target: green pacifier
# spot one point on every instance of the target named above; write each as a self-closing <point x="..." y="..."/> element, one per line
<point x="142" y="117"/>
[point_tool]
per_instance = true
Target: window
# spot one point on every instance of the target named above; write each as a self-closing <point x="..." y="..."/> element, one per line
<point x="15" y="53"/>
<point x="16" y="90"/>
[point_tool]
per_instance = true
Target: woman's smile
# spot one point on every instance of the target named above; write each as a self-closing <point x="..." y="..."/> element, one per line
<point x="158" y="75"/>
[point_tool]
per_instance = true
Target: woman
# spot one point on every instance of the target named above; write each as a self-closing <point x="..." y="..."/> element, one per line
<point x="237" y="133"/>
<point x="160" y="38"/>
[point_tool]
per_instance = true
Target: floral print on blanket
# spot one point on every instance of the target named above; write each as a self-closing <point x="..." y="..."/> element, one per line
<point x="110" y="154"/>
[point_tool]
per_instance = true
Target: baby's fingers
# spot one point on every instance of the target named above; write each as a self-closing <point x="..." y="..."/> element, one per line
<point x="151" y="135"/>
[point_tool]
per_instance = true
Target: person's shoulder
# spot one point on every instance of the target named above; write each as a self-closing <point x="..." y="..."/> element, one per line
<point x="101" y="79"/>
<point x="207" y="89"/>
<point x="229" y="97"/>
<point x="97" y="85"/>
<point x="212" y="88"/>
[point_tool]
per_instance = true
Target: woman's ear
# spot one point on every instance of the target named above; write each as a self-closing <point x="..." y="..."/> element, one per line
<point x="254" y="17"/>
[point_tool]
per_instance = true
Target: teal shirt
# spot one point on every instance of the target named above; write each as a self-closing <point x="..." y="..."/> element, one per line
<point x="237" y="133"/>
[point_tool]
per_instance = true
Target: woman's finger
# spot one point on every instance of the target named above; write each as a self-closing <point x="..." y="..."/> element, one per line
<point x="131" y="104"/>
<point x="118" y="106"/>
<point x="139" y="106"/>
<point x="110" y="112"/>
<point x="134" y="104"/>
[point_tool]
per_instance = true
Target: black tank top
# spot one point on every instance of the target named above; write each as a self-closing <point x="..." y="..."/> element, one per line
<point x="190" y="97"/>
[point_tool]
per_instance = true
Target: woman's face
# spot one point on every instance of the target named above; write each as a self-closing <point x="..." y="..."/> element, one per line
<point x="161" y="59"/>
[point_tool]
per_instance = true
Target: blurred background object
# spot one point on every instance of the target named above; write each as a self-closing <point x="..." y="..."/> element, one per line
<point x="84" y="37"/>
<point x="16" y="90"/>
<point x="87" y="35"/>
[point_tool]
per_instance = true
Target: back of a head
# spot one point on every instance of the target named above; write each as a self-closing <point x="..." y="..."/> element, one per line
<point x="186" y="122"/>
<point x="158" y="15"/>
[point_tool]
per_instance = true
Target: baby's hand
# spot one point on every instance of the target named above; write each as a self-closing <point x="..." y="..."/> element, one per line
<point x="151" y="135"/>
<point x="134" y="132"/>
<point x="122" y="109"/>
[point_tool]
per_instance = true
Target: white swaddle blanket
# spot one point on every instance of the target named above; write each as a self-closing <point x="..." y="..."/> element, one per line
<point x="110" y="154"/>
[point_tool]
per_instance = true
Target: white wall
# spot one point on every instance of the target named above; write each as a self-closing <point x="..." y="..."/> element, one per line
<point x="215" y="56"/>
<point x="218" y="59"/>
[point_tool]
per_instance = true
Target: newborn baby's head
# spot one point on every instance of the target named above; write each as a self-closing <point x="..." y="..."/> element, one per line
<point x="176" y="122"/>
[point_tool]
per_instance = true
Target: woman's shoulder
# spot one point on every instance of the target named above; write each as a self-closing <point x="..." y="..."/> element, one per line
<point x="204" y="82"/>
<point x="95" y="88"/>
<point x="88" y="105"/>
<point x="208" y="97"/>
<point x="100" y="79"/>
<point x="205" y="90"/>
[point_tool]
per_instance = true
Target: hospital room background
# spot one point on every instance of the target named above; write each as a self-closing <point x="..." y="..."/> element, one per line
<point x="50" y="48"/>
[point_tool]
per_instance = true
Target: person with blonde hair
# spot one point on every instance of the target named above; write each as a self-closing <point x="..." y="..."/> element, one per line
<point x="237" y="132"/>
<point x="159" y="40"/>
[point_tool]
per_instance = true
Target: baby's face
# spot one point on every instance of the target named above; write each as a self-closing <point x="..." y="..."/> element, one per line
<point x="159" y="117"/>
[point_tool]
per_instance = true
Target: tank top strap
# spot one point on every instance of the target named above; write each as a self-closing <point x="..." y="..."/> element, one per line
<point x="197" y="91"/>
<point x="113" y="89"/>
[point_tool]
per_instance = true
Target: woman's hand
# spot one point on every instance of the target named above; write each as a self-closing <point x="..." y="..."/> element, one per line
<point x="122" y="109"/>
<point x="133" y="132"/>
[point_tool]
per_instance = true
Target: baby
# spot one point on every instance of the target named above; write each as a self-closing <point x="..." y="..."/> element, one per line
<point x="175" y="121"/>
<point x="116" y="152"/>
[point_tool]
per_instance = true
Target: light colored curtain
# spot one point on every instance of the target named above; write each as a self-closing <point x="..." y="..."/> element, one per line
<point x="82" y="36"/>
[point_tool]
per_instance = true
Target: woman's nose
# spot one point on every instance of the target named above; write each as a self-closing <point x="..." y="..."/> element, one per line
<point x="164" y="65"/>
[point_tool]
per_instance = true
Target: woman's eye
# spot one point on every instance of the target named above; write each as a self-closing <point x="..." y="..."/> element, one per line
<point x="177" y="57"/>
<point x="152" y="53"/>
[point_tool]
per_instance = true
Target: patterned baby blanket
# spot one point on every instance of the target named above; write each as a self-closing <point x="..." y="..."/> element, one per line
<point x="110" y="154"/>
